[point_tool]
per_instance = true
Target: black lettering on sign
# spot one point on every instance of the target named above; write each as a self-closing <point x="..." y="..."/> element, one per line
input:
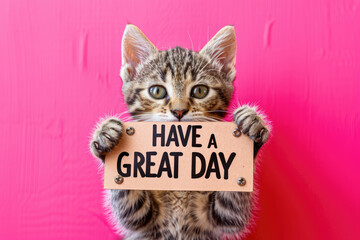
<point x="176" y="156"/>
<point x="195" y="135"/>
<point x="184" y="139"/>
<point x="163" y="168"/>
<point x="193" y="165"/>
<point x="160" y="135"/>
<point x="226" y="164"/>
<point x="172" y="136"/>
<point x="149" y="164"/>
<point x="126" y="166"/>
<point x="212" y="141"/>
<point x="145" y="164"/>
<point x="213" y="167"/>
<point x="138" y="164"/>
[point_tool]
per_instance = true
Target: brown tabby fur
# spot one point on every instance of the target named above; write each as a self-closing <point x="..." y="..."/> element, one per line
<point x="179" y="214"/>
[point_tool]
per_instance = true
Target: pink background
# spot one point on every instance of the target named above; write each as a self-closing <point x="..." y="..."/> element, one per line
<point x="59" y="66"/>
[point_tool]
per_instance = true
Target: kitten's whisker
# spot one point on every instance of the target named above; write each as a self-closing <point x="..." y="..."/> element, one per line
<point x="201" y="117"/>
<point x="192" y="45"/>
<point x="216" y="111"/>
<point x="150" y="117"/>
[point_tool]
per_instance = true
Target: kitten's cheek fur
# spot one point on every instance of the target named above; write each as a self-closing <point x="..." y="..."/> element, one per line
<point x="106" y="137"/>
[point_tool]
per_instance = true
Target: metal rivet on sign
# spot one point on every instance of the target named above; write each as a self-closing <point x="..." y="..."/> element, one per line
<point x="236" y="132"/>
<point x="241" y="181"/>
<point x="118" y="179"/>
<point x="130" y="131"/>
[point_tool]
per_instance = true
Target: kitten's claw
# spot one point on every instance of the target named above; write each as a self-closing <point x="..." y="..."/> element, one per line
<point x="106" y="137"/>
<point x="251" y="123"/>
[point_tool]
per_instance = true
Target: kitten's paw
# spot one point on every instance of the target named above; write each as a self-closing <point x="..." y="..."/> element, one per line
<point x="251" y="123"/>
<point x="106" y="137"/>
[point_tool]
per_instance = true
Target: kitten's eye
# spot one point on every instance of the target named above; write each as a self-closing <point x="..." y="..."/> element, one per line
<point x="199" y="91"/>
<point x="157" y="92"/>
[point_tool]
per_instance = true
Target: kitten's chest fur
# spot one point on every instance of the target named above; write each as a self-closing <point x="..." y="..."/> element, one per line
<point x="175" y="217"/>
<point x="175" y="206"/>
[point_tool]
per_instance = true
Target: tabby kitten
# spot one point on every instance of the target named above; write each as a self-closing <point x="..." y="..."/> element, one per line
<point x="179" y="85"/>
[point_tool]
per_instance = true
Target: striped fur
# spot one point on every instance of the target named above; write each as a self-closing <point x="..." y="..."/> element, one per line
<point x="179" y="214"/>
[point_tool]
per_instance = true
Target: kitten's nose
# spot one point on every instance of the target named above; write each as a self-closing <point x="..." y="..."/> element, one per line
<point x="179" y="113"/>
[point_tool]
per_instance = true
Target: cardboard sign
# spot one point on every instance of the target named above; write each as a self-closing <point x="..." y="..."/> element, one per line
<point x="184" y="156"/>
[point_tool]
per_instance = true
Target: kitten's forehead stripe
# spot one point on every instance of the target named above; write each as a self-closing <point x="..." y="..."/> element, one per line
<point x="189" y="61"/>
<point x="168" y="64"/>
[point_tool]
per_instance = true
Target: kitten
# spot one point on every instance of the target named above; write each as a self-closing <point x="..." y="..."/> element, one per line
<point x="179" y="85"/>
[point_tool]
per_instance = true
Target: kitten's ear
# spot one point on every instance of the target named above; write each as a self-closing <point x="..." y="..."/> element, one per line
<point x="222" y="48"/>
<point x="135" y="48"/>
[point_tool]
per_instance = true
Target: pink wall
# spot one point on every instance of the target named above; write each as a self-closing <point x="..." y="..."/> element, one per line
<point x="59" y="64"/>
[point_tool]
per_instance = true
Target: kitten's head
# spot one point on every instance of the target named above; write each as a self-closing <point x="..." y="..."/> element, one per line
<point x="177" y="84"/>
